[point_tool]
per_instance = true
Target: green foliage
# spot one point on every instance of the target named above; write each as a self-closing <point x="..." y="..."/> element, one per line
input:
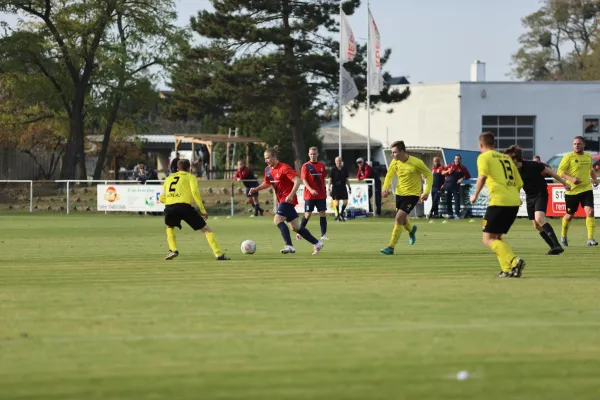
<point x="561" y="42"/>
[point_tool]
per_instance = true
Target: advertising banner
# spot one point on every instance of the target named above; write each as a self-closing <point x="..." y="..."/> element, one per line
<point x="359" y="198"/>
<point x="126" y="197"/>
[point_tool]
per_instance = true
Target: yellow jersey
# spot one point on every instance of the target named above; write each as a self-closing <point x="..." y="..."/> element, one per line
<point x="503" y="179"/>
<point x="181" y="188"/>
<point x="409" y="177"/>
<point x="577" y="166"/>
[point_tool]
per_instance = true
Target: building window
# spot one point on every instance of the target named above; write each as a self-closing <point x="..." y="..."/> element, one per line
<point x="509" y="130"/>
<point x="591" y="125"/>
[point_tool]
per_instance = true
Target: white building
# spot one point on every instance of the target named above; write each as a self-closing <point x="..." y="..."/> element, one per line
<point x="541" y="117"/>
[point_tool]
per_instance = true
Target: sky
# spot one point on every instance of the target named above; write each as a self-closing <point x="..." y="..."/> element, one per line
<point x="432" y="41"/>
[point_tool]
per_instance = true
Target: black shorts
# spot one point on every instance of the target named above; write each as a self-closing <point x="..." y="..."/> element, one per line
<point x="572" y="201"/>
<point x="288" y="211"/>
<point x="175" y="213"/>
<point x="499" y="219"/>
<point x="309" y="205"/>
<point x="406" y="203"/>
<point x="535" y="203"/>
<point x="339" y="193"/>
<point x="255" y="194"/>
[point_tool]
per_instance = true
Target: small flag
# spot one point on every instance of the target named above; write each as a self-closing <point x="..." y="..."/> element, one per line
<point x="374" y="59"/>
<point x="349" y="89"/>
<point x="348" y="41"/>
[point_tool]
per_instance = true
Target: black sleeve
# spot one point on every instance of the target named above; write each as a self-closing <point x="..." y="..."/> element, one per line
<point x="541" y="167"/>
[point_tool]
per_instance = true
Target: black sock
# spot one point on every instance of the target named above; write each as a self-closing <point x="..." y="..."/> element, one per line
<point x="544" y="236"/>
<point x="323" y="221"/>
<point x="307" y="235"/>
<point x="256" y="209"/>
<point x="285" y="233"/>
<point x="337" y="210"/>
<point x="343" y="209"/>
<point x="304" y="222"/>
<point x="550" y="232"/>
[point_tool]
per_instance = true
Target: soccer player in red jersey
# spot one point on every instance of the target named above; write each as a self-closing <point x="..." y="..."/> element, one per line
<point x="315" y="193"/>
<point x="285" y="182"/>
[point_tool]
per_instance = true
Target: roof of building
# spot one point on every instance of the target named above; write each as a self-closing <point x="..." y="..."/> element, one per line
<point x="329" y="133"/>
<point x="398" y="80"/>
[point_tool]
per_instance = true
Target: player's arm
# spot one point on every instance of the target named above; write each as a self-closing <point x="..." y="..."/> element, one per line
<point x="197" y="196"/>
<point x="594" y="177"/>
<point x="517" y="176"/>
<point x="548" y="172"/>
<point x="348" y="184"/>
<point x="562" y="168"/>
<point x="389" y="177"/>
<point x="467" y="175"/>
<point x="426" y="173"/>
<point x="297" y="182"/>
<point x="482" y="170"/>
<point x="163" y="196"/>
<point x="305" y="182"/>
<point x="447" y="169"/>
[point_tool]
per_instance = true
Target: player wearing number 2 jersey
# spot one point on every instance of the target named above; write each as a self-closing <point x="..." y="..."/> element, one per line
<point x="500" y="174"/>
<point x="180" y="189"/>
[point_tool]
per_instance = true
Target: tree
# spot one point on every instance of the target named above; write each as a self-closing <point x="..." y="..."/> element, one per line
<point x="91" y="51"/>
<point x="561" y="42"/>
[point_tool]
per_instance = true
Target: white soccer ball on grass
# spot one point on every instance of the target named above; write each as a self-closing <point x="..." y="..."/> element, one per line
<point x="248" y="247"/>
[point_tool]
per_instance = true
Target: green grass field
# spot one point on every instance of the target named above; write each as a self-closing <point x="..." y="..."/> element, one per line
<point x="89" y="310"/>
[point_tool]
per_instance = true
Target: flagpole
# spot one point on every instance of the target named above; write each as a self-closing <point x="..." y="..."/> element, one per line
<point x="340" y="94"/>
<point x="369" y="82"/>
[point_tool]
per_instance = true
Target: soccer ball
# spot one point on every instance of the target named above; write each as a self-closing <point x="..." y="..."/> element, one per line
<point x="248" y="247"/>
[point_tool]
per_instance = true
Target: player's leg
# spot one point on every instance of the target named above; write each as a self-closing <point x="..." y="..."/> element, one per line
<point x="496" y="222"/>
<point x="456" y="196"/>
<point x="344" y="205"/>
<point x="257" y="205"/>
<point x="309" y="206"/>
<point x="279" y="221"/>
<point x="197" y="223"/>
<point x="587" y="201"/>
<point x="399" y="221"/>
<point x="449" y="203"/>
<point x="322" y="208"/>
<point x="336" y="205"/>
<point x="212" y="242"/>
<point x="292" y="218"/>
<point x="540" y="207"/>
<point x="172" y="220"/>
<point x="571" y="205"/>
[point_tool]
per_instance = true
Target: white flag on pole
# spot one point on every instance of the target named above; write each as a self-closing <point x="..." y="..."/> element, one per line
<point x="349" y="89"/>
<point x="348" y="42"/>
<point x="376" y="78"/>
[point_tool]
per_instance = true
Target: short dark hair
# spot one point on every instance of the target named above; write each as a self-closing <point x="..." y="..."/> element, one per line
<point x="580" y="137"/>
<point x="399" y="145"/>
<point x="515" y="151"/>
<point x="488" y="139"/>
<point x="458" y="155"/>
<point x="536" y="156"/>
<point x="184" y="165"/>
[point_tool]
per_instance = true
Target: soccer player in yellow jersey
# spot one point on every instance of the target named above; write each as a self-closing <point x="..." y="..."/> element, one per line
<point x="504" y="182"/>
<point x="577" y="169"/>
<point x="179" y="190"/>
<point x="409" y="191"/>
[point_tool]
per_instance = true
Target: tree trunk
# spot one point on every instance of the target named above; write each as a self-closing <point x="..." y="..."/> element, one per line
<point x="112" y="117"/>
<point x="297" y="134"/>
<point x="69" y="164"/>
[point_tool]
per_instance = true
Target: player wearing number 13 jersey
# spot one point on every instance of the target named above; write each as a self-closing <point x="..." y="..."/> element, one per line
<point x="500" y="174"/>
<point x="180" y="189"/>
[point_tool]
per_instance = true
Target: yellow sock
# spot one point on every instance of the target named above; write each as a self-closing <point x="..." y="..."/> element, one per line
<point x="505" y="254"/>
<point x="590" y="223"/>
<point x="171" y="239"/>
<point x="395" y="235"/>
<point x="408" y="226"/>
<point x="565" y="227"/>
<point x="214" y="245"/>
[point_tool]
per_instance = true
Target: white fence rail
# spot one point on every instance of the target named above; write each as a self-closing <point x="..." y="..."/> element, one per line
<point x="233" y="190"/>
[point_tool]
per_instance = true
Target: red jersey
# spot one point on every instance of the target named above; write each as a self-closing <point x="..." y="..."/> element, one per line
<point x="314" y="174"/>
<point x="281" y="178"/>
<point x="243" y="174"/>
<point x="365" y="172"/>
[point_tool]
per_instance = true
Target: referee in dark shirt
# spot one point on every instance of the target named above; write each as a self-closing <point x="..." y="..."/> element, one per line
<point x="337" y="188"/>
<point x="536" y="195"/>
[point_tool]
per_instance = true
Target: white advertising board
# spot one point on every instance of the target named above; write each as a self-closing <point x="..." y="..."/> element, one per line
<point x="359" y="198"/>
<point x="130" y="197"/>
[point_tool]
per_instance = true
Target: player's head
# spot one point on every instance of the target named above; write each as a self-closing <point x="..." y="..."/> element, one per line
<point x="436" y="162"/>
<point x="183" y="165"/>
<point x="487" y="141"/>
<point x="398" y="150"/>
<point x="360" y="162"/>
<point x="313" y="154"/>
<point x="338" y="162"/>
<point x="515" y="152"/>
<point x="241" y="164"/>
<point x="457" y="159"/>
<point x="578" y="144"/>
<point x="272" y="156"/>
<point x="537" y="159"/>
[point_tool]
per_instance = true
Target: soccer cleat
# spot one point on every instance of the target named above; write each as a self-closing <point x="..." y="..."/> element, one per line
<point x="564" y="241"/>
<point x="298" y="236"/>
<point x="555" y="251"/>
<point x="517" y="270"/>
<point x="324" y="237"/>
<point x="412" y="236"/>
<point x="336" y="219"/>
<point x="388" y="251"/>
<point x="223" y="257"/>
<point x="172" y="255"/>
<point x="504" y="274"/>
<point x="288" y="250"/>
<point x="592" y="242"/>
<point x="317" y="248"/>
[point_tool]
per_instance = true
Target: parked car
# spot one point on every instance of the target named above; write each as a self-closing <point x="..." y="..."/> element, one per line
<point x="555" y="160"/>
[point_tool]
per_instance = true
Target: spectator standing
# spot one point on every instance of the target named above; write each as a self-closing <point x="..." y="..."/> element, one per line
<point x="436" y="189"/>
<point x="455" y="173"/>
<point x="365" y="171"/>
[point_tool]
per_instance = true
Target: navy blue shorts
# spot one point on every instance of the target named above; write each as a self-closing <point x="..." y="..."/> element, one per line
<point x="288" y="211"/>
<point x="309" y="205"/>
